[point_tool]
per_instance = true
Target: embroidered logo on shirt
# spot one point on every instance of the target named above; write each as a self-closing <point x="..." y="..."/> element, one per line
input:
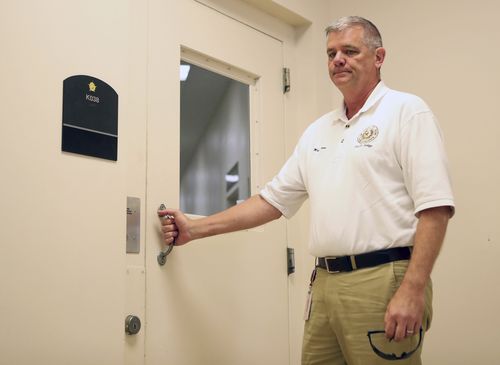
<point x="367" y="136"/>
<point x="317" y="149"/>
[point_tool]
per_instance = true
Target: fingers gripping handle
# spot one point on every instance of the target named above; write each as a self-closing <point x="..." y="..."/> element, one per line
<point x="162" y="256"/>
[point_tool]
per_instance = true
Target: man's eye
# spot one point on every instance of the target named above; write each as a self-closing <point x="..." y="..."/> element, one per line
<point x="351" y="52"/>
<point x="331" y="55"/>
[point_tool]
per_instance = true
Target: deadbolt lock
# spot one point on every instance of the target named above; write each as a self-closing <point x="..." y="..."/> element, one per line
<point x="132" y="325"/>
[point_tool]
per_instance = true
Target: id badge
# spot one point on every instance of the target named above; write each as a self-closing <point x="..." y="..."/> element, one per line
<point x="307" y="311"/>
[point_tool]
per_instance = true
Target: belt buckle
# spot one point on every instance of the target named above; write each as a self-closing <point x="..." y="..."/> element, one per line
<point x="327" y="258"/>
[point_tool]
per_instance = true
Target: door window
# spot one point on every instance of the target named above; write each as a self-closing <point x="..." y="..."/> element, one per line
<point x="215" y="141"/>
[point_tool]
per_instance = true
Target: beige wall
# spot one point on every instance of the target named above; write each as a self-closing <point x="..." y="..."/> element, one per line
<point x="63" y="216"/>
<point x="446" y="52"/>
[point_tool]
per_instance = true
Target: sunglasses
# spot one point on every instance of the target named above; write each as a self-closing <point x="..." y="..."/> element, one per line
<point x="392" y="356"/>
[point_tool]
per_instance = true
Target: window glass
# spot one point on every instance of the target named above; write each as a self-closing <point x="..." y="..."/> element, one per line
<point x="215" y="141"/>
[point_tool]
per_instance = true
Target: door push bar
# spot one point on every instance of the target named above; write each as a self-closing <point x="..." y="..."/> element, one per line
<point x="162" y="256"/>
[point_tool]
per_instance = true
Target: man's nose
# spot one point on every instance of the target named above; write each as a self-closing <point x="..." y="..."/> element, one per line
<point x="339" y="59"/>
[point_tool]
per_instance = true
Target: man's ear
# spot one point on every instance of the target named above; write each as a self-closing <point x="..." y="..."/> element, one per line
<point x="379" y="57"/>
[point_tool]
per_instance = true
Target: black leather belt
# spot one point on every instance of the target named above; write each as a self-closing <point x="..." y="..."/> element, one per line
<point x="349" y="263"/>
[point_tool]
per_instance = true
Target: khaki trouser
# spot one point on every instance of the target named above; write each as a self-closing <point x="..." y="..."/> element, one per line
<point x="345" y="306"/>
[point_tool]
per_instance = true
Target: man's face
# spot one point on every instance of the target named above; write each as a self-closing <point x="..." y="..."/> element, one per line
<point x="351" y="64"/>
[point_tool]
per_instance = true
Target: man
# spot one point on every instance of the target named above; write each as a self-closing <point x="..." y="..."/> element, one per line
<point x="375" y="173"/>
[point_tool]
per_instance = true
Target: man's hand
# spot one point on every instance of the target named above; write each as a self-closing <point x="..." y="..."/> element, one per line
<point x="404" y="313"/>
<point x="175" y="227"/>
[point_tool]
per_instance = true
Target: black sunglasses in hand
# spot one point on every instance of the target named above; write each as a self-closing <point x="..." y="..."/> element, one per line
<point x="392" y="356"/>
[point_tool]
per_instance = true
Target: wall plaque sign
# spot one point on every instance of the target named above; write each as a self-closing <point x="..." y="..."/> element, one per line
<point x="90" y="117"/>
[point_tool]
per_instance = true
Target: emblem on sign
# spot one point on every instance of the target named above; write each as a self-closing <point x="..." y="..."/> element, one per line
<point x="368" y="135"/>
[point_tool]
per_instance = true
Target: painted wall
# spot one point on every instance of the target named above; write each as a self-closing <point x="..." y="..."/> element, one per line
<point x="446" y="52"/>
<point x="63" y="215"/>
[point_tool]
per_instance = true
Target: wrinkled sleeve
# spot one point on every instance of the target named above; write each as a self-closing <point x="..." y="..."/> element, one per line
<point x="424" y="163"/>
<point x="287" y="190"/>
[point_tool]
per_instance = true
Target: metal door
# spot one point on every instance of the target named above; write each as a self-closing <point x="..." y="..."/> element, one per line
<point x="221" y="300"/>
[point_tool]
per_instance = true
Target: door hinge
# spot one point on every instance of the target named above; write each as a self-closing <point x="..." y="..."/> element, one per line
<point x="286" y="80"/>
<point x="290" y="259"/>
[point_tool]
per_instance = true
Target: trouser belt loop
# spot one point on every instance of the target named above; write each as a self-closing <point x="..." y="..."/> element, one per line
<point x="353" y="262"/>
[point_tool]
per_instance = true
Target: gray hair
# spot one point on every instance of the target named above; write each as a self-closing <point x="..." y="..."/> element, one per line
<point x="372" y="36"/>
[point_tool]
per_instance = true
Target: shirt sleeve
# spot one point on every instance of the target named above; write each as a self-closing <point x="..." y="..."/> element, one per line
<point x="287" y="191"/>
<point x="424" y="163"/>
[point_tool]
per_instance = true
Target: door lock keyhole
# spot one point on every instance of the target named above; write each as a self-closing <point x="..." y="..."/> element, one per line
<point x="132" y="325"/>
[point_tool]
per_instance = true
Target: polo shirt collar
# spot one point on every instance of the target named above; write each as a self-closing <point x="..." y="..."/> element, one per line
<point x="380" y="90"/>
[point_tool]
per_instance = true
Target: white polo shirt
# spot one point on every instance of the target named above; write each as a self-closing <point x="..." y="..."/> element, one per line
<point x="367" y="178"/>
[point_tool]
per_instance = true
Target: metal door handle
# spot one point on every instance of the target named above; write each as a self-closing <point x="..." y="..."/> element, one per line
<point x="162" y="256"/>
